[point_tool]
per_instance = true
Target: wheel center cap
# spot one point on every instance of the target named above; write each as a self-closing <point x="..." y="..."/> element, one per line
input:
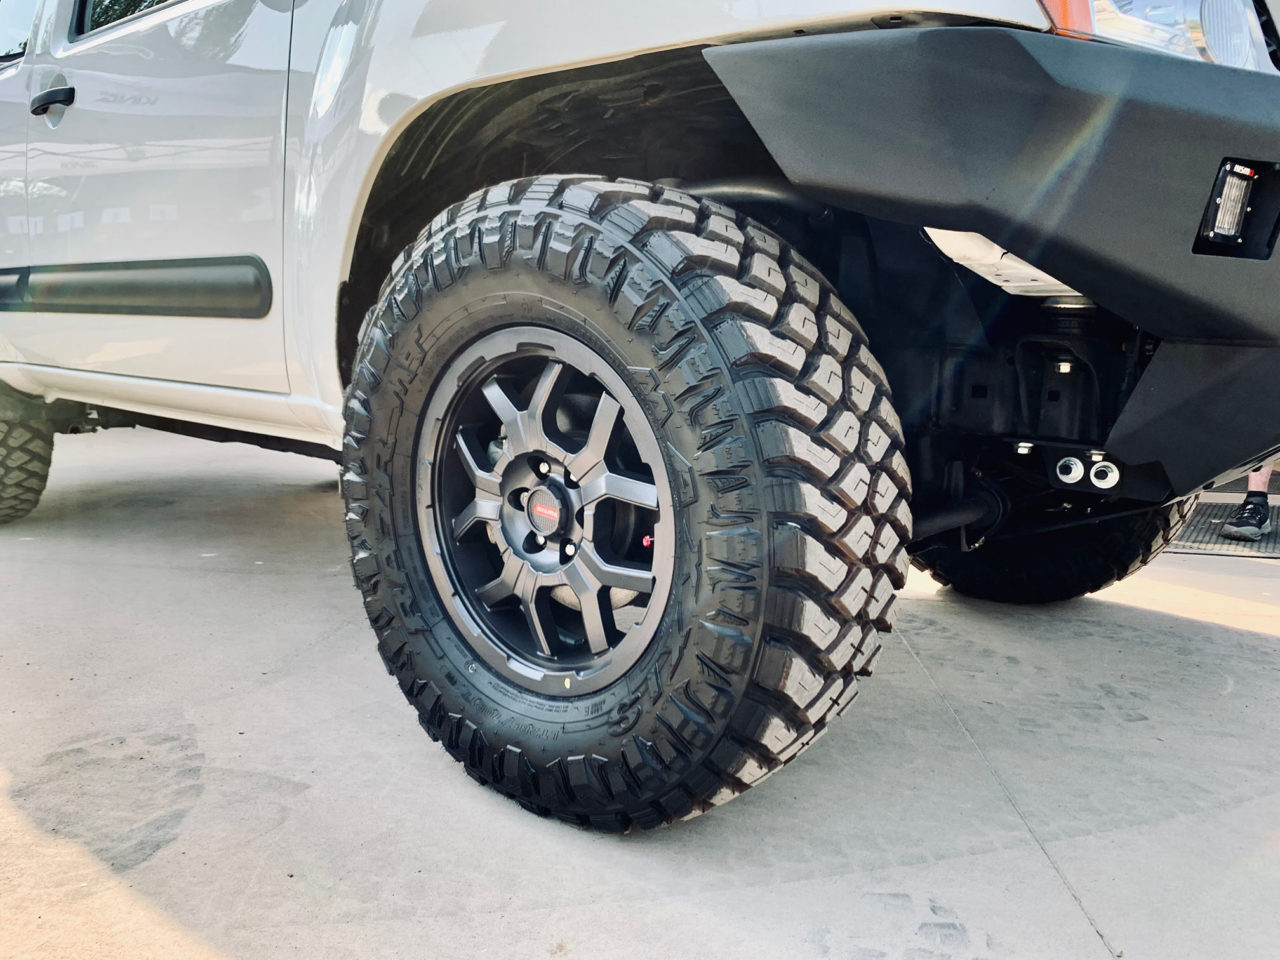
<point x="545" y="511"/>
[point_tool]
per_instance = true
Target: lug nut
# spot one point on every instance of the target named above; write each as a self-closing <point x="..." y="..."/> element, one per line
<point x="1070" y="470"/>
<point x="570" y="549"/>
<point x="539" y="539"/>
<point x="543" y="468"/>
<point x="1104" y="475"/>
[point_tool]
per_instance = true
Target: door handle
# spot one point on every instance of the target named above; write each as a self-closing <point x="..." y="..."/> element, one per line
<point x="41" y="102"/>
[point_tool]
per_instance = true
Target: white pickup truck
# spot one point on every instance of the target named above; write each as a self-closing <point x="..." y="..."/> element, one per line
<point x="600" y="307"/>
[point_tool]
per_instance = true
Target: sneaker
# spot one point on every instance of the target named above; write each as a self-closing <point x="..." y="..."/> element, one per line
<point x="1251" y="522"/>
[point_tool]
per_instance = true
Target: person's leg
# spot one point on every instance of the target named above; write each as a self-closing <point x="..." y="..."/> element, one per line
<point x="1258" y="479"/>
<point x="1252" y="520"/>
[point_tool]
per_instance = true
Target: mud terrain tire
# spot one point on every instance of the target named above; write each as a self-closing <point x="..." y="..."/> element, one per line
<point x="26" y="450"/>
<point x="1059" y="564"/>
<point x="788" y="491"/>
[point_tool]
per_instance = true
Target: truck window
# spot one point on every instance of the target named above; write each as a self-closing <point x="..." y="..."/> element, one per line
<point x="15" y="28"/>
<point x="100" y="13"/>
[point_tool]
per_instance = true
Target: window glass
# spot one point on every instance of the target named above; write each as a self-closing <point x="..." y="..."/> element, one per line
<point x="102" y="12"/>
<point x="15" y="27"/>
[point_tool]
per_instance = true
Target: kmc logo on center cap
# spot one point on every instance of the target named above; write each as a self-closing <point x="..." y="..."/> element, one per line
<point x="544" y="511"/>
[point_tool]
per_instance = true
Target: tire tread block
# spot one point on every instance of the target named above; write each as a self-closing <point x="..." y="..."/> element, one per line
<point x="26" y="452"/>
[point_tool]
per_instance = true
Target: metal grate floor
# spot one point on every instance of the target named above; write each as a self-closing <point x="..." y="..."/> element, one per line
<point x="1202" y="534"/>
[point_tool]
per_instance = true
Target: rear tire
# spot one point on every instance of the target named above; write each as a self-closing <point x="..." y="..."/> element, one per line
<point x="780" y="474"/>
<point x="26" y="450"/>
<point x="1059" y="564"/>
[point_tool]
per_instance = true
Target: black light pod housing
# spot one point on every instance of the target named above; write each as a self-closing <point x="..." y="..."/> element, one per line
<point x="1243" y="212"/>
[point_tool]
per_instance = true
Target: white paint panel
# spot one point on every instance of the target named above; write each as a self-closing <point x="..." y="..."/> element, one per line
<point x="257" y="412"/>
<point x="172" y="149"/>
<point x="14" y="110"/>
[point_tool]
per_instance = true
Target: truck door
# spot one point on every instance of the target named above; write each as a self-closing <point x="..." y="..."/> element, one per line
<point x="154" y="190"/>
<point x="15" y="29"/>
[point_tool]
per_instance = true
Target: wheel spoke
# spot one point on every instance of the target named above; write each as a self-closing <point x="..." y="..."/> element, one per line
<point x="593" y="622"/>
<point x="615" y="486"/>
<point x="504" y="585"/>
<point x="586" y="587"/>
<point x="603" y="424"/>
<point x="502" y="406"/>
<point x="543" y="394"/>
<point x="537" y="612"/>
<point x="524" y="428"/>
<point x="479" y="510"/>
<point x="485" y="481"/>
<point x="612" y="574"/>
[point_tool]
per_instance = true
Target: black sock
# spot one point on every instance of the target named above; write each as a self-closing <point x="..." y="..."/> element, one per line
<point x="1258" y="496"/>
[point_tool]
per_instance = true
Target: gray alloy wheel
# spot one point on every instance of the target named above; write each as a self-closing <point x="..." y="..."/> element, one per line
<point x="547" y="514"/>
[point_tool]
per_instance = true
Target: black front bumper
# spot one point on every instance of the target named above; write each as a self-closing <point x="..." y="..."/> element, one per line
<point x="1091" y="161"/>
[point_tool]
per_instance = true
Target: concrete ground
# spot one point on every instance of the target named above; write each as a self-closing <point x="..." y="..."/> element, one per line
<point x="201" y="757"/>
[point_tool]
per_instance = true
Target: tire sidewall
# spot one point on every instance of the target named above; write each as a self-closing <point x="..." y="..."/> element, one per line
<point x="544" y="727"/>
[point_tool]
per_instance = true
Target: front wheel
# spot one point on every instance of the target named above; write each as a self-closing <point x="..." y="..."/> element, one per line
<point x="625" y="495"/>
